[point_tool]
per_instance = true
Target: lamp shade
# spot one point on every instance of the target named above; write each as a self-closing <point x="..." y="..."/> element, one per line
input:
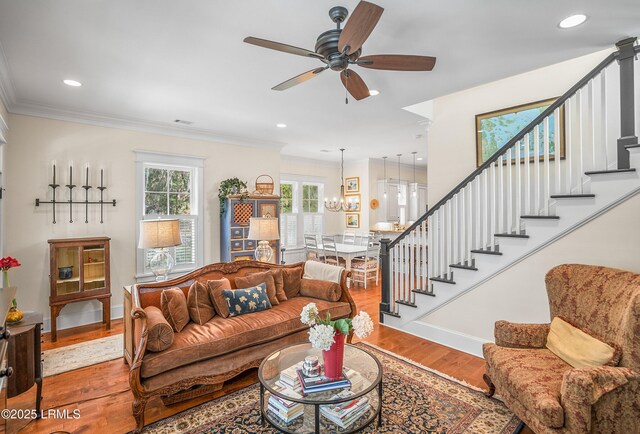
<point x="263" y="229"/>
<point x="155" y="234"/>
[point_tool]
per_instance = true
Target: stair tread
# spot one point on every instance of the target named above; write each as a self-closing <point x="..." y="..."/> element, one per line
<point x="494" y="251"/>
<point x="393" y="314"/>
<point x="569" y="196"/>
<point x="603" y="172"/>
<point x="512" y="235"/>
<point x="443" y="280"/>
<point x="420" y="291"/>
<point x="541" y="217"/>
<point x="633" y="146"/>
<point x="406" y="303"/>
<point x="463" y="267"/>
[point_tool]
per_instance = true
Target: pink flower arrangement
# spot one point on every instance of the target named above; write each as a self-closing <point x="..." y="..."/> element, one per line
<point x="8" y="262"/>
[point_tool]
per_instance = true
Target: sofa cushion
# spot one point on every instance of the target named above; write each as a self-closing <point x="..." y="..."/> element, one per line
<point x="161" y="334"/>
<point x="199" y="303"/>
<point x="215" y="292"/>
<point x="174" y="308"/>
<point x="576" y="347"/>
<point x="532" y="376"/>
<point x="255" y="279"/>
<point x="279" y="281"/>
<point x="322" y="289"/>
<point x="225" y="335"/>
<point x="242" y="301"/>
<point x="291" y="281"/>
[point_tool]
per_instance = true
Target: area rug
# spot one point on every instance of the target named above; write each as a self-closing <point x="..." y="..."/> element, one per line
<point x="63" y="359"/>
<point x="416" y="399"/>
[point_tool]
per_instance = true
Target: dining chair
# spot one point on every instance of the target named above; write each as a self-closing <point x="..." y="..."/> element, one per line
<point x="367" y="267"/>
<point x="311" y="247"/>
<point x="348" y="237"/>
<point x="330" y="251"/>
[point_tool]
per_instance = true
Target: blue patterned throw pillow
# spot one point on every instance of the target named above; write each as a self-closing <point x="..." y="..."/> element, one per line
<point x="249" y="300"/>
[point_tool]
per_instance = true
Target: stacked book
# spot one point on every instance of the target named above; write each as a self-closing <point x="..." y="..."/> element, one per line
<point x="346" y="413"/>
<point x="320" y="383"/>
<point x="287" y="411"/>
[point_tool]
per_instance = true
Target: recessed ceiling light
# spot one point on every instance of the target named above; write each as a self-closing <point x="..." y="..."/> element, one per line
<point x="572" y="21"/>
<point x="419" y="158"/>
<point x="72" y="83"/>
<point x="281" y="125"/>
<point x="374" y="92"/>
<point x="325" y="150"/>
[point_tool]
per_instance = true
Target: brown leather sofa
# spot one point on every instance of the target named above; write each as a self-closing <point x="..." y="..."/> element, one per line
<point x="202" y="357"/>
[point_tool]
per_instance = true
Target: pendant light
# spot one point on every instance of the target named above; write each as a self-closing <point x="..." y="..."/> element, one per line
<point x="338" y="205"/>
<point x="384" y="164"/>
<point x="415" y="186"/>
<point x="399" y="195"/>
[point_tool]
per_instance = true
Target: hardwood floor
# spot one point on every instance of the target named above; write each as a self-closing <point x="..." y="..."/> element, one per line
<point x="101" y="392"/>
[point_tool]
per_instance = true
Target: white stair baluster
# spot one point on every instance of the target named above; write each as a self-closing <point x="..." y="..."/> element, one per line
<point x="591" y="135"/>
<point x="469" y="208"/>
<point x="500" y="196"/>
<point x="509" y="192"/>
<point x="536" y="170"/>
<point x="557" y="151"/>
<point x="442" y="244"/>
<point x="603" y="117"/>
<point x="424" y="248"/>
<point x="518" y="196"/>
<point x="430" y="250"/>
<point x="545" y="181"/>
<point x="580" y="132"/>
<point x="527" y="174"/>
<point x="568" y="126"/>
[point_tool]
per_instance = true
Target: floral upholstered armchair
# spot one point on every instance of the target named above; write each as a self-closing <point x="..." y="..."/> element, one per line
<point x="551" y="396"/>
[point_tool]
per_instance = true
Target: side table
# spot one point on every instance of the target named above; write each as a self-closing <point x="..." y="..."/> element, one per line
<point x="25" y="346"/>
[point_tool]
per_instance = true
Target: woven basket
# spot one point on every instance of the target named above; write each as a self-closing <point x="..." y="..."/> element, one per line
<point x="263" y="187"/>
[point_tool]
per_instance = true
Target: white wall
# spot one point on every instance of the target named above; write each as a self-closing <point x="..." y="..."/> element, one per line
<point x="519" y="294"/>
<point x="452" y="135"/>
<point x="34" y="142"/>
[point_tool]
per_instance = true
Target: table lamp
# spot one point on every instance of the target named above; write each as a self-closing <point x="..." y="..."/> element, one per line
<point x="160" y="234"/>
<point x="263" y="229"/>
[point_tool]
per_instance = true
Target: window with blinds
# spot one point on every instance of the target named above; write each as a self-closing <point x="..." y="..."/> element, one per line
<point x="301" y="211"/>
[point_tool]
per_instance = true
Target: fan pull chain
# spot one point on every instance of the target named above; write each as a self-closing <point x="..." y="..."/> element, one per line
<point x="346" y="93"/>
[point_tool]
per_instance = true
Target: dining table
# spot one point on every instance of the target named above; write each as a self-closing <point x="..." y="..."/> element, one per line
<point x="348" y="252"/>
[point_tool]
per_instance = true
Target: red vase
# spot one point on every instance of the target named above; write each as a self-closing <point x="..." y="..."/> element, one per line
<point x="333" y="357"/>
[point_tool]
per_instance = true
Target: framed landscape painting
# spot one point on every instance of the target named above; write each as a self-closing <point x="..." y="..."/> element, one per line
<point x="495" y="129"/>
<point x="353" y="202"/>
<point x="353" y="220"/>
<point x="353" y="184"/>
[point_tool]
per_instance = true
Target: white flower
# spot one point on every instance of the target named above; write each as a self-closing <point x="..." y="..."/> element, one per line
<point x="362" y="324"/>
<point x="309" y="314"/>
<point x="321" y="336"/>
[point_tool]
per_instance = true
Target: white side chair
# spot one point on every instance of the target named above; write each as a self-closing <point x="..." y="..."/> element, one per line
<point x="368" y="267"/>
<point x="348" y="237"/>
<point x="330" y="251"/>
<point x="311" y="248"/>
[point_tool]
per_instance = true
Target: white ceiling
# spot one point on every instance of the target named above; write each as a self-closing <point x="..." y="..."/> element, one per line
<point x="145" y="63"/>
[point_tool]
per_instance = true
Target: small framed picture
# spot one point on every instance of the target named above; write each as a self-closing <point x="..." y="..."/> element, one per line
<point x="353" y="184"/>
<point x="268" y="210"/>
<point x="353" y="220"/>
<point x="353" y="202"/>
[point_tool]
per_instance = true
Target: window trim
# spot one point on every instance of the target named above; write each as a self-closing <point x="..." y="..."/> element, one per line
<point x="194" y="163"/>
<point x="297" y="203"/>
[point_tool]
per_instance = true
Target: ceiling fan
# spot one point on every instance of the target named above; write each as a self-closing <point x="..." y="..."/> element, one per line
<point x="339" y="49"/>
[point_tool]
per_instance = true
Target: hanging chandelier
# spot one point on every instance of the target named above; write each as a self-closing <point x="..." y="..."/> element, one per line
<point x="340" y="204"/>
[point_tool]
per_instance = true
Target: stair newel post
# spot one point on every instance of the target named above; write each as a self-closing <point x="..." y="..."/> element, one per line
<point x="385" y="266"/>
<point x="626" y="58"/>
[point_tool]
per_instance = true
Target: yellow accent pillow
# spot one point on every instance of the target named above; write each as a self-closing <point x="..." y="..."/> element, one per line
<point x="575" y="347"/>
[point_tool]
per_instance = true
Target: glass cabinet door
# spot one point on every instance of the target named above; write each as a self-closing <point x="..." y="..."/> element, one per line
<point x="93" y="264"/>
<point x="68" y="277"/>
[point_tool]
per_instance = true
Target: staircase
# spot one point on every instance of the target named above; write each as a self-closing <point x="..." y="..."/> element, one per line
<point x="513" y="205"/>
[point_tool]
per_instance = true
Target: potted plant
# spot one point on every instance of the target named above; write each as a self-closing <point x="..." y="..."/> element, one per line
<point x="7" y="263"/>
<point x="328" y="335"/>
<point x="231" y="186"/>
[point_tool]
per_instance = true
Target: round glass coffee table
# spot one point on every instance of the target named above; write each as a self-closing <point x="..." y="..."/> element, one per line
<point x="345" y="410"/>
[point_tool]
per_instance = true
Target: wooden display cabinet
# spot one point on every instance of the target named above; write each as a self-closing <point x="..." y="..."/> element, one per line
<point x="79" y="271"/>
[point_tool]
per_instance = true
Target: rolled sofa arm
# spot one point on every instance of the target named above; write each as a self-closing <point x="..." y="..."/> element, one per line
<point x="582" y="389"/>
<point x="514" y="335"/>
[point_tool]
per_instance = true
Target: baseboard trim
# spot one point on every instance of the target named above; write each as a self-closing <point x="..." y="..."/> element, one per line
<point x="76" y="319"/>
<point x="443" y="336"/>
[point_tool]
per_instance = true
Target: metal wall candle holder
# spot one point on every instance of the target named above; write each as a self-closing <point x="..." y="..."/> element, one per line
<point x="86" y="202"/>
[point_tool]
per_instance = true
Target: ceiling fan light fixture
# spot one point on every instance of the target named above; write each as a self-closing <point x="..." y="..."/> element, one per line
<point x="572" y="21"/>
<point x="374" y="92"/>
<point x="72" y="83"/>
<point x="419" y="158"/>
<point x="281" y="125"/>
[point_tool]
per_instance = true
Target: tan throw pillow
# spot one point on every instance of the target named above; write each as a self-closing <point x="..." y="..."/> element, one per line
<point x="174" y="308"/>
<point x="255" y="279"/>
<point x="279" y="281"/>
<point x="215" y="293"/>
<point x="291" y="278"/>
<point x="322" y="289"/>
<point x="199" y="303"/>
<point x="160" y="336"/>
<point x="576" y="347"/>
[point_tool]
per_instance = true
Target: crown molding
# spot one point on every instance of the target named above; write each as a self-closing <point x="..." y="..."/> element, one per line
<point x="40" y="110"/>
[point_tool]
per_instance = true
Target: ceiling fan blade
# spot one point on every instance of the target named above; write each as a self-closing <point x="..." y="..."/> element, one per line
<point x="282" y="47"/>
<point x="397" y="62"/>
<point x="358" y="28"/>
<point x="354" y="84"/>
<point x="299" y="79"/>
